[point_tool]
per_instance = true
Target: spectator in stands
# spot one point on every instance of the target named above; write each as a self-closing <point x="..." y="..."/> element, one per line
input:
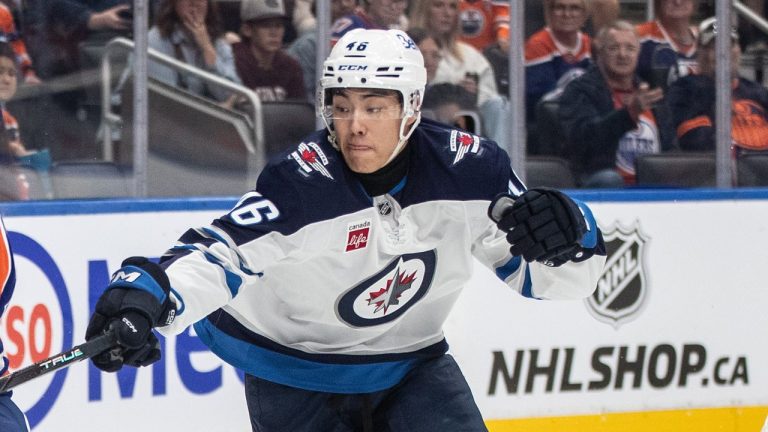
<point x="445" y="101"/>
<point x="261" y="63"/>
<point x="189" y="31"/>
<point x="484" y="23"/>
<point x="11" y="146"/>
<point x="372" y="14"/>
<point x="668" y="43"/>
<point x="429" y="50"/>
<point x="461" y="63"/>
<point x="608" y="117"/>
<point x="79" y="30"/>
<point x="85" y="18"/>
<point x="13" y="185"/>
<point x="9" y="34"/>
<point x="301" y="10"/>
<point x="555" y="49"/>
<point x="304" y="48"/>
<point x="600" y="13"/>
<point x="691" y="101"/>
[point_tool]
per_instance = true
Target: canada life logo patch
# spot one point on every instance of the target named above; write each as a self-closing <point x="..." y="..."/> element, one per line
<point x="462" y="143"/>
<point x="358" y="234"/>
<point x="390" y="292"/>
<point x="311" y="158"/>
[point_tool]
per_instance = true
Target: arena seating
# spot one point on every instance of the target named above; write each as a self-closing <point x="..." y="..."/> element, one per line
<point x="549" y="171"/>
<point x="88" y="179"/>
<point x="676" y="170"/>
<point x="752" y="170"/>
<point x="196" y="147"/>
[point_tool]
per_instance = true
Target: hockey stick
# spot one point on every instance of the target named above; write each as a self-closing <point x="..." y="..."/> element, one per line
<point x="80" y="352"/>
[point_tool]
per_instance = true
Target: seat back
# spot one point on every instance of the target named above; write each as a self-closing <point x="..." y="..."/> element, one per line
<point x="550" y="137"/>
<point x="549" y="171"/>
<point x="752" y="169"/>
<point x="286" y="123"/>
<point x="88" y="179"/>
<point x="676" y="169"/>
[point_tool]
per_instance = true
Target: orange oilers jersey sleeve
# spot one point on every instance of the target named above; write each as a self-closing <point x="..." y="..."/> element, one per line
<point x="9" y="34"/>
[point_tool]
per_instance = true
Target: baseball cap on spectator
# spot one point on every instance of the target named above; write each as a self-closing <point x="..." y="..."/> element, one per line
<point x="708" y="30"/>
<point x="257" y="10"/>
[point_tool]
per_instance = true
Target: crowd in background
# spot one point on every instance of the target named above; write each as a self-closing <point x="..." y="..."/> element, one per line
<point x="601" y="88"/>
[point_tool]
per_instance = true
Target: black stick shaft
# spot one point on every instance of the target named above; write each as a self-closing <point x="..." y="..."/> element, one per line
<point x="64" y="359"/>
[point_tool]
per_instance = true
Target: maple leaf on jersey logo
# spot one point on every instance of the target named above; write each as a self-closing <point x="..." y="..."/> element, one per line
<point x="390" y="295"/>
<point x="463" y="143"/>
<point x="465" y="140"/>
<point x="309" y="156"/>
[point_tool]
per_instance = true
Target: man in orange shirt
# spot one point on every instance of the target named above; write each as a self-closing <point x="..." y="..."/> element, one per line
<point x="691" y="101"/>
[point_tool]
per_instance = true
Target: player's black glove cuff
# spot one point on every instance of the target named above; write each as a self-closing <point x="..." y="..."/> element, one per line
<point x="543" y="225"/>
<point x="137" y="299"/>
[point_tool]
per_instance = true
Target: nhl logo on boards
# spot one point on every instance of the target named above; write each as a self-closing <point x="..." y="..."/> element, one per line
<point x="462" y="143"/>
<point x="623" y="286"/>
<point x="358" y="234"/>
<point x="311" y="158"/>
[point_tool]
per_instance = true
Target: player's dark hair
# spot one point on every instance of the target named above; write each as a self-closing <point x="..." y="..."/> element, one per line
<point x="375" y="91"/>
<point x="445" y="93"/>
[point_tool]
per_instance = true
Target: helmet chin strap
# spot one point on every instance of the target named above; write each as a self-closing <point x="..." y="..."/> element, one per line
<point x="404" y="136"/>
<point x="331" y="134"/>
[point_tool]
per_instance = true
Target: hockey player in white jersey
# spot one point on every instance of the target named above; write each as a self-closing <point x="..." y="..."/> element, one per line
<point x="330" y="282"/>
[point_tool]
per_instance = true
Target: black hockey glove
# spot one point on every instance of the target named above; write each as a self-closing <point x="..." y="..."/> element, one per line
<point x="543" y="225"/>
<point x="136" y="300"/>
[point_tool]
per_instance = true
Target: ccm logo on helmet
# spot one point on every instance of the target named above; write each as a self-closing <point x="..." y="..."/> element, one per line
<point x="352" y="67"/>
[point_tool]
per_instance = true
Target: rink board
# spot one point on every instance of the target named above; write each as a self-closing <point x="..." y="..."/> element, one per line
<point x="674" y="340"/>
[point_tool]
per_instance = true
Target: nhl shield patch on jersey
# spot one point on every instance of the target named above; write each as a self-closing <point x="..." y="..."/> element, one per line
<point x="623" y="286"/>
<point x="390" y="292"/>
<point x="311" y="158"/>
<point x="463" y="143"/>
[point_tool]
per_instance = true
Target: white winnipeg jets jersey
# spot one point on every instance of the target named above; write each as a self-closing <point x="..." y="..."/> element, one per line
<point x="312" y="283"/>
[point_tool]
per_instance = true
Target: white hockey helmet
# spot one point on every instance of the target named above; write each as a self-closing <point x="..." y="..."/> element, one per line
<point x="375" y="59"/>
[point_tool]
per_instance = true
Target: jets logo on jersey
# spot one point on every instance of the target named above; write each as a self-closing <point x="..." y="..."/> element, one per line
<point x="357" y="235"/>
<point x="389" y="295"/>
<point x="390" y="292"/>
<point x="310" y="158"/>
<point x="461" y="143"/>
<point x="622" y="288"/>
